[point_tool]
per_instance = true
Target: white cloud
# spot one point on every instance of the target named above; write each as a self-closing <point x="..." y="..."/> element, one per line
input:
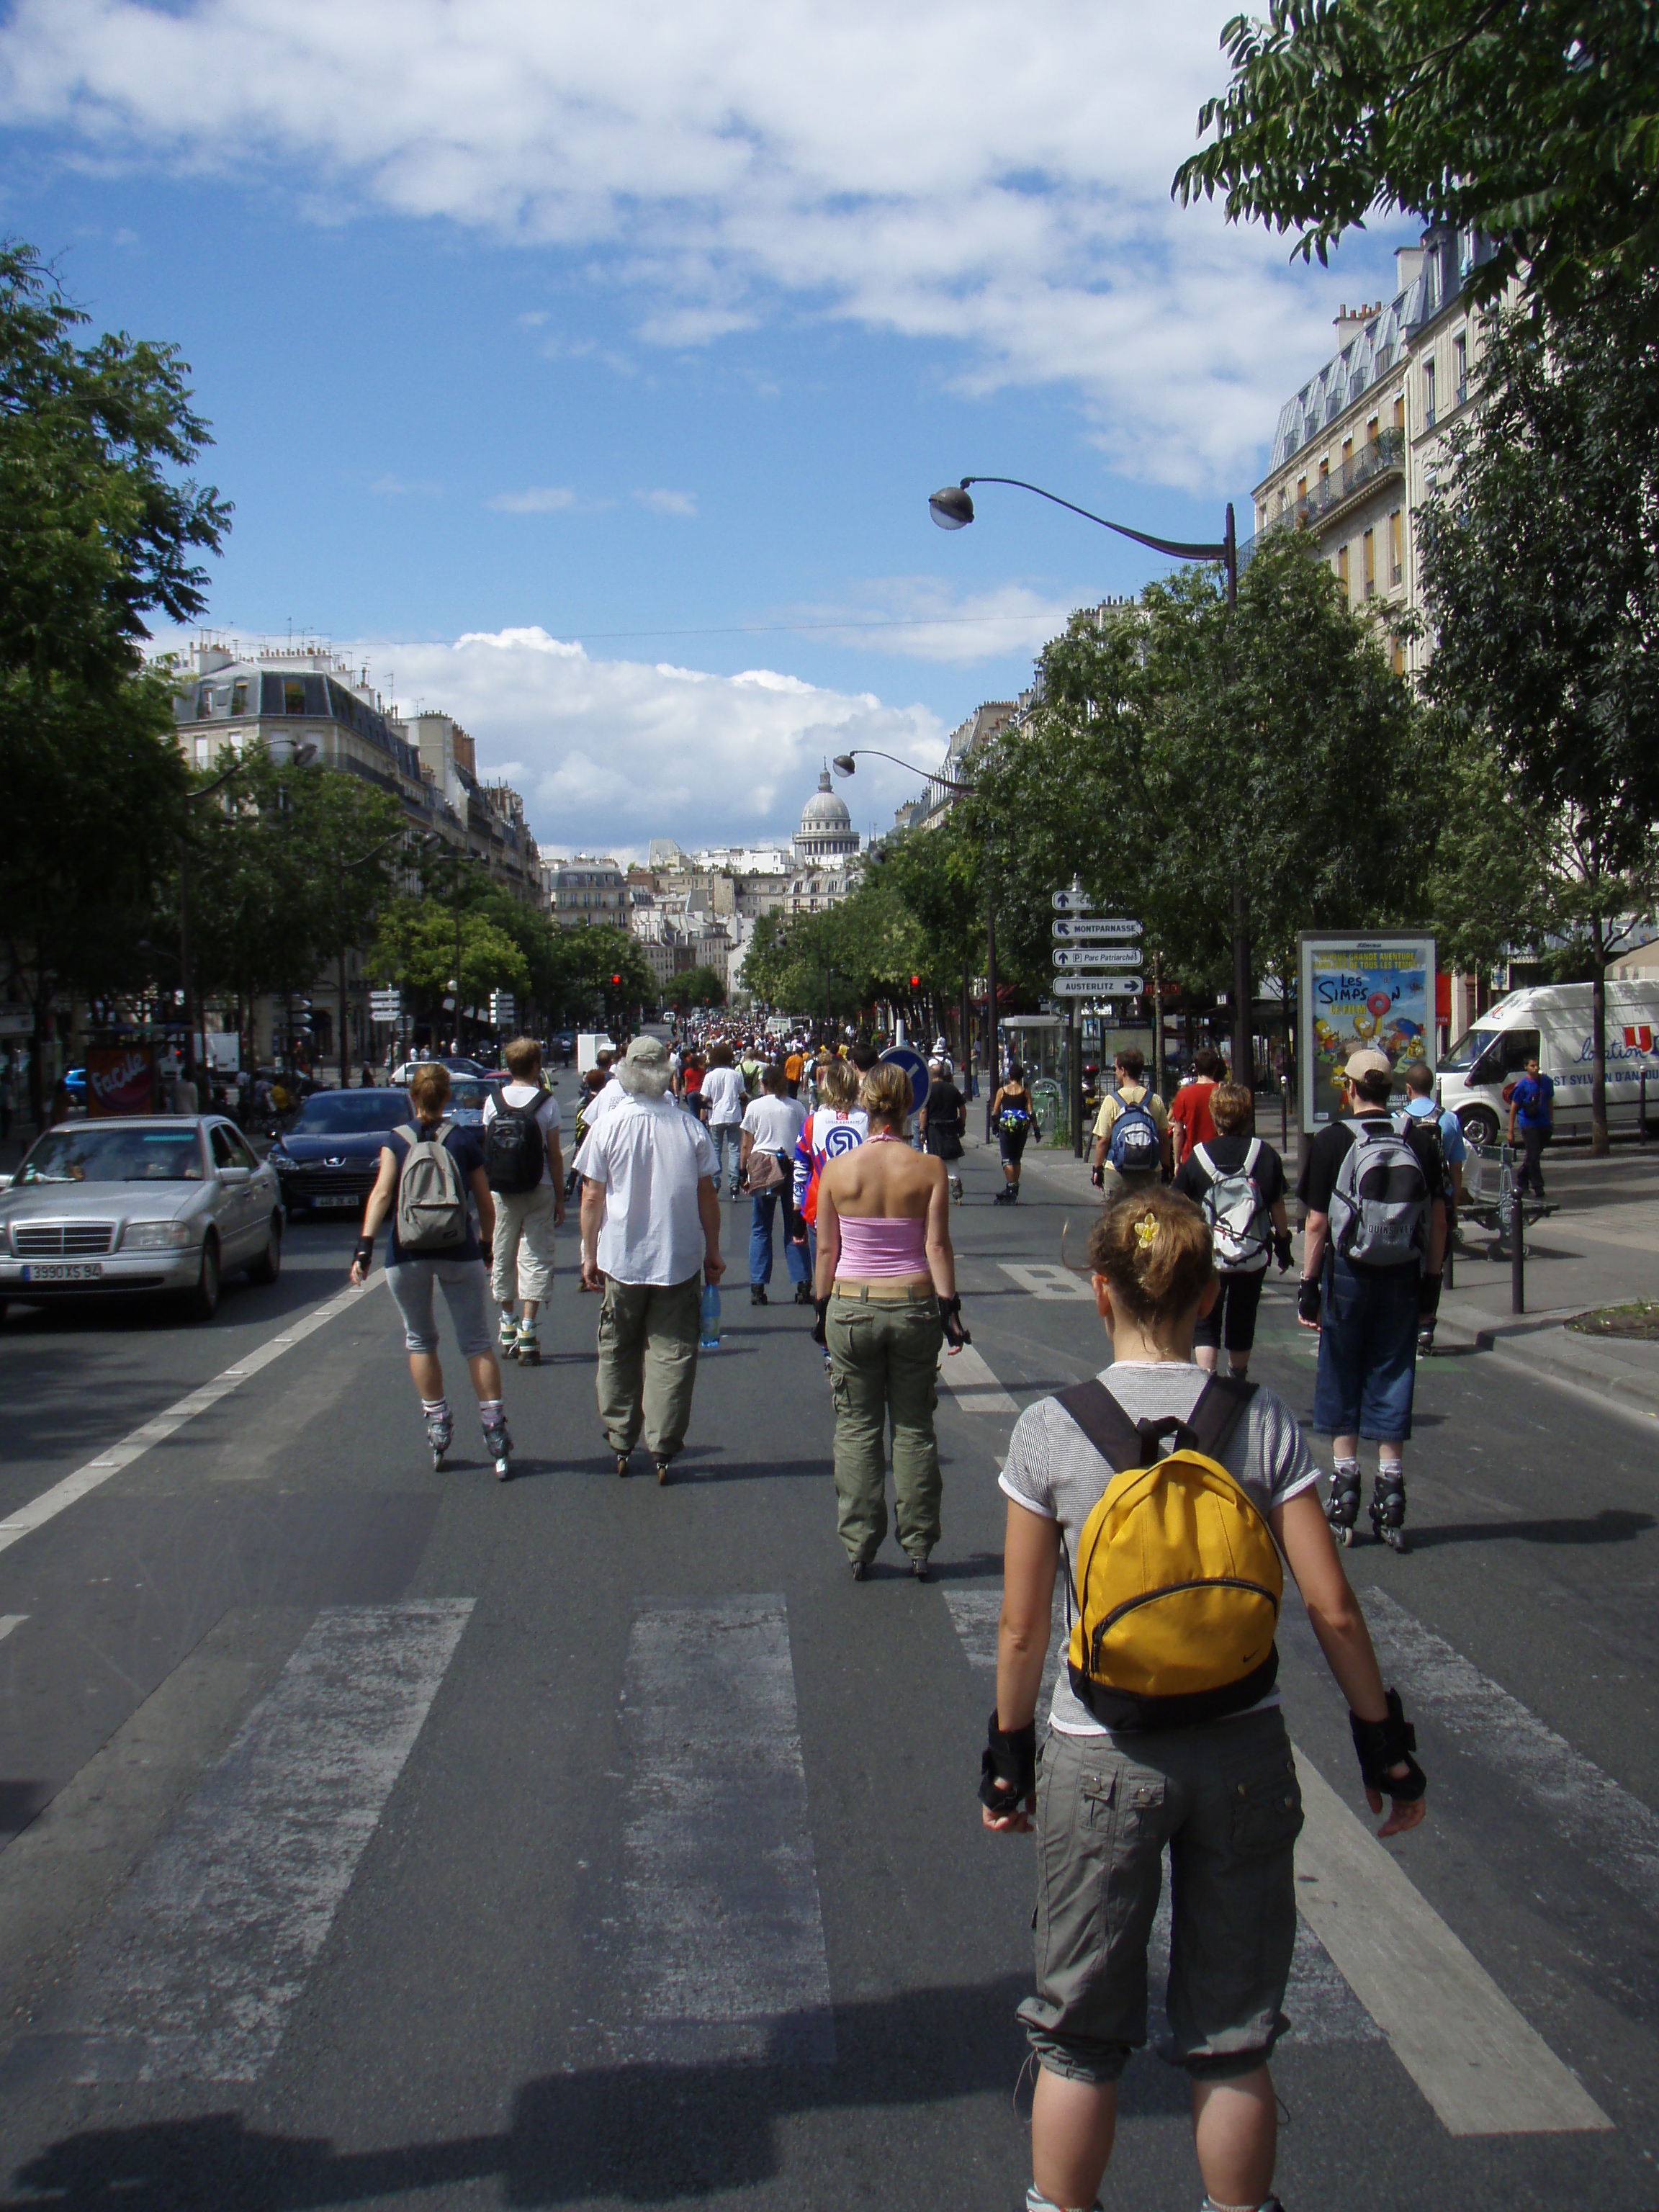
<point x="923" y="618"/>
<point x="669" y="502"/>
<point x="609" y="754"/>
<point x="392" y="486"/>
<point x="539" y="499"/>
<point x="955" y="170"/>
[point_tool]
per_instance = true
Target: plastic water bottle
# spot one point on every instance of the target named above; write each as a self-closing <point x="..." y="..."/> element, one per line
<point x="709" y="1338"/>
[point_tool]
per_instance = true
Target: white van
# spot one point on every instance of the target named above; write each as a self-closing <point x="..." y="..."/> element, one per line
<point x="1553" y="1022"/>
<point x="590" y="1043"/>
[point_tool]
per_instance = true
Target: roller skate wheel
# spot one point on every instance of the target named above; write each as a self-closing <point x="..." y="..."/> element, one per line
<point x="1344" y="1536"/>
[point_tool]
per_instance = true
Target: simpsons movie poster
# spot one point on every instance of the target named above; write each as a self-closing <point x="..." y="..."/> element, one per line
<point x="1361" y="991"/>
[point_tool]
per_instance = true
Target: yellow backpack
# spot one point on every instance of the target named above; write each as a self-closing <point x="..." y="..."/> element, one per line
<point x="1177" y="1579"/>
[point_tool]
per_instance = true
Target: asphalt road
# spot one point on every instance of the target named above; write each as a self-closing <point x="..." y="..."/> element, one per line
<point x="382" y="1839"/>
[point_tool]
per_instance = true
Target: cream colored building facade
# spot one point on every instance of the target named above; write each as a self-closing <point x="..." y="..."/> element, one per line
<point x="1356" y="448"/>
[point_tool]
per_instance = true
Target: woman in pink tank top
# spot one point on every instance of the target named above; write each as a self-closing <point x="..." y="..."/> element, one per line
<point x="886" y="1296"/>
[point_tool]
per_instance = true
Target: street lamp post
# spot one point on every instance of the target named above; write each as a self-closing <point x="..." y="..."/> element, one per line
<point x="953" y="509"/>
<point x="186" y="992"/>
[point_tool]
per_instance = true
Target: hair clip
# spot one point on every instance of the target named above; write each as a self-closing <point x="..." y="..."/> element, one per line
<point x="1146" y="1230"/>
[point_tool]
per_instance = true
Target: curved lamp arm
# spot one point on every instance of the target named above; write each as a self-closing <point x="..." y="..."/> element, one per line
<point x="951" y="509"/>
<point x="846" y="764"/>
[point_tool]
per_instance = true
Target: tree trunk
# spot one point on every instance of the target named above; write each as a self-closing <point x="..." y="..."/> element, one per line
<point x="1243" y="1068"/>
<point x="1599" y="1040"/>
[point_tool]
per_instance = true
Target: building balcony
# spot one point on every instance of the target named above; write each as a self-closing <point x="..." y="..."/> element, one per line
<point x="1380" y="457"/>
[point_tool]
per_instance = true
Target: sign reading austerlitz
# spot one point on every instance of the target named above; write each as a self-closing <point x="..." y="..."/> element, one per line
<point x="1098" y="987"/>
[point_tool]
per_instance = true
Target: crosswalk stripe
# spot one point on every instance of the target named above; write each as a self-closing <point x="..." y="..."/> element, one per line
<point x="1602" y="1822"/>
<point x="972" y="1384"/>
<point x="1366" y="1939"/>
<point x="9" y="1621"/>
<point x="95" y="1473"/>
<point x="724" y="1956"/>
<point x="1047" y="1278"/>
<point x="193" y="1976"/>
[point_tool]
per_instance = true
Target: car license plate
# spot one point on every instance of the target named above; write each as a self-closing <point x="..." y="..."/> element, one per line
<point x="85" y="1271"/>
<point x="333" y="1198"/>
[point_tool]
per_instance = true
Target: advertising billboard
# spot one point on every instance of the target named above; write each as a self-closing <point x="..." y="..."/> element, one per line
<point x="121" y="1079"/>
<point x="1358" y="991"/>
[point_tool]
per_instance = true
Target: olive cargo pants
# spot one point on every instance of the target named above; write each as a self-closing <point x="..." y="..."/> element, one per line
<point x="648" y="1363"/>
<point x="884" y="1358"/>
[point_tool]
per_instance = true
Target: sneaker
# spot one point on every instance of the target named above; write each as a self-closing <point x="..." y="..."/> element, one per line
<point x="507" y="1335"/>
<point x="528" y="1350"/>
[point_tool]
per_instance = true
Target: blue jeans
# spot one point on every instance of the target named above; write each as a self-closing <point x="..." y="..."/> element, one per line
<point x="1367" y="1352"/>
<point x="759" y="1235"/>
<point x="726" y="1133"/>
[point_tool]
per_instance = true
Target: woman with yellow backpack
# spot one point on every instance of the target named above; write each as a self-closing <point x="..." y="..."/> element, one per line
<point x="1168" y="1497"/>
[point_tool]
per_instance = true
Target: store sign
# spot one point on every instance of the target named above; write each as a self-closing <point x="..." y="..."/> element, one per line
<point x="121" y="1079"/>
<point x="1358" y="992"/>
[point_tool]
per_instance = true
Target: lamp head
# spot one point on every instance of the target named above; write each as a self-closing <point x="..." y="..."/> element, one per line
<point x="845" y="764"/>
<point x="951" y="509"/>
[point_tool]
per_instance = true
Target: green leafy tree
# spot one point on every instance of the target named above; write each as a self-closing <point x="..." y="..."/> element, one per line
<point x="416" y="948"/>
<point x="101" y="524"/>
<point x="695" y="986"/>
<point x="1540" y="569"/>
<point x="1536" y="121"/>
<point x="602" y="973"/>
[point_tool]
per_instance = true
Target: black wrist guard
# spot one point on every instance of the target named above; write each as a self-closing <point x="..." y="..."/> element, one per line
<point x="1383" y="1744"/>
<point x="1307" y="1299"/>
<point x="1009" y="1759"/>
<point x="821" y="1307"/>
<point x="950" y="1312"/>
<point x="1097" y="1176"/>
<point x="363" y="1257"/>
<point x="1282" y="1249"/>
<point x="1428" y="1297"/>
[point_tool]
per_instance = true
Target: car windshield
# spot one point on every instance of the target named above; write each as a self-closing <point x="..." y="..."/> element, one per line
<point x="468" y="1095"/>
<point x="329" y="1112"/>
<point x="1467" y="1050"/>
<point x="118" y="1155"/>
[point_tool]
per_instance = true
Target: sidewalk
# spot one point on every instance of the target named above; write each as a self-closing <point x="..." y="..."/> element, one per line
<point x="1601" y="1248"/>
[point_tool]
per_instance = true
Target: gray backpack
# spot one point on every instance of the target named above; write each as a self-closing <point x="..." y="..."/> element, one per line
<point x="431" y="1197"/>
<point x="1380" y="1201"/>
<point x="1241" y="1229"/>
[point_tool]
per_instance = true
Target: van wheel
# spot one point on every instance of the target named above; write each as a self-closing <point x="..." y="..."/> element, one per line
<point x="269" y="1265"/>
<point x="1480" y="1125"/>
<point x="202" y="1303"/>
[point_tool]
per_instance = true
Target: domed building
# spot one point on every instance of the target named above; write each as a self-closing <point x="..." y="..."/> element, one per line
<point x="826" y="838"/>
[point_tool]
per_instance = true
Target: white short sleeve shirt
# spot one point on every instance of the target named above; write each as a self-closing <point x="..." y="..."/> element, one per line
<point x="774" y="1124"/>
<point x="723" y="1088"/>
<point x="650" y="1157"/>
<point x="520" y="1094"/>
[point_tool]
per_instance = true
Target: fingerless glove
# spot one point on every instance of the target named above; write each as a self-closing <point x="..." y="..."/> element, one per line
<point x="1009" y="1759"/>
<point x="1307" y="1299"/>
<point x="950" y="1312"/>
<point x="363" y="1257"/>
<point x="1282" y="1249"/>
<point x="821" y="1307"/>
<point x="1383" y="1744"/>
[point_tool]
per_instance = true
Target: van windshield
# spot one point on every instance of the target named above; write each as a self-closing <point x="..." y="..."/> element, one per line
<point x="1467" y="1050"/>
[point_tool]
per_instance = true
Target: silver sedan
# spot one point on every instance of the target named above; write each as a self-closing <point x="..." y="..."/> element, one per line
<point x="139" y="1203"/>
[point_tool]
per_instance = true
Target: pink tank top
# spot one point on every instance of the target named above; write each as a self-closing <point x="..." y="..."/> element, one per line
<point x="871" y="1247"/>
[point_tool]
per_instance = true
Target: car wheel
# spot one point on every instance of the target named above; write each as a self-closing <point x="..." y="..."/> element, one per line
<point x="202" y="1303"/>
<point x="1479" y="1125"/>
<point x="269" y="1265"/>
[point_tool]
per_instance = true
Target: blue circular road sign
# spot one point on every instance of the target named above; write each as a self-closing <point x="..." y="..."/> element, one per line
<point x="907" y="1057"/>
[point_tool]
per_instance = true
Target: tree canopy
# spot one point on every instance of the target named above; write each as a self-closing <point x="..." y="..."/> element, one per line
<point x="1536" y="121"/>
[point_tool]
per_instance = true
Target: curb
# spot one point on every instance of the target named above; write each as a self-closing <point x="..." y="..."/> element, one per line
<point x="1553" y="1354"/>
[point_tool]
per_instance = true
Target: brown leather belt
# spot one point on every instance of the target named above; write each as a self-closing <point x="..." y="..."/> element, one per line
<point x="882" y="1294"/>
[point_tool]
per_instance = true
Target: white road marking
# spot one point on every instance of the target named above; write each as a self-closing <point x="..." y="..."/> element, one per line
<point x="9" y="1621"/>
<point x="1602" y="1822"/>
<point x="1321" y="2006"/>
<point x="1484" y="2069"/>
<point x="193" y="1976"/>
<point x="724" y="1956"/>
<point x="96" y="1471"/>
<point x="1047" y="1278"/>
<point x="972" y="1384"/>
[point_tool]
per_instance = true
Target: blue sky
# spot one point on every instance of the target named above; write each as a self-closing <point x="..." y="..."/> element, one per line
<point x="585" y="372"/>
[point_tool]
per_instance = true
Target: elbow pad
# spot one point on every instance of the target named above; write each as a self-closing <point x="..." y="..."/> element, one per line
<point x="1008" y="1759"/>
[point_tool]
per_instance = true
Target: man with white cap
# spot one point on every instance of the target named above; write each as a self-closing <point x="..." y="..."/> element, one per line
<point x="651" y="1239"/>
<point x="1375" y="1239"/>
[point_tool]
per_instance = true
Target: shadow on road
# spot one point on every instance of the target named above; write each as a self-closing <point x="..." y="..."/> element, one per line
<point x="1613" y="1524"/>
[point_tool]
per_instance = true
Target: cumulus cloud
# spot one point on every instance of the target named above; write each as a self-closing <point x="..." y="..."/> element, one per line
<point x="609" y="754"/>
<point x="923" y="618"/>
<point x="669" y="502"/>
<point x="539" y="499"/>
<point x="955" y="170"/>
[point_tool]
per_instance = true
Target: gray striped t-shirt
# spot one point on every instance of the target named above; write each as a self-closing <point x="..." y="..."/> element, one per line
<point x="1053" y="1470"/>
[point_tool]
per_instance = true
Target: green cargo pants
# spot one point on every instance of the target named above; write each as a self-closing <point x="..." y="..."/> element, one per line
<point x="648" y="1363"/>
<point x="884" y="1357"/>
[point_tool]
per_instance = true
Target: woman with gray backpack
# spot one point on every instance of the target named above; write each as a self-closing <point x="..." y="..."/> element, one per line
<point x="428" y="1170"/>
<point x="1236" y="1181"/>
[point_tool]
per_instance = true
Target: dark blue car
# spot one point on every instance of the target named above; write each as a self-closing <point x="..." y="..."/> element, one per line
<point x="329" y="1159"/>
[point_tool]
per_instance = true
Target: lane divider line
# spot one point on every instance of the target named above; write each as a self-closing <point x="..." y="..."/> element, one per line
<point x="96" y="1471"/>
<point x="973" y="1385"/>
<point x="9" y="1621"/>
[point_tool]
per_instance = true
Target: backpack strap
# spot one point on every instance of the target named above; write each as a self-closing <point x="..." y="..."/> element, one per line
<point x="1252" y="1155"/>
<point x="1105" y="1424"/>
<point x="1222" y="1404"/>
<point x="1202" y="1157"/>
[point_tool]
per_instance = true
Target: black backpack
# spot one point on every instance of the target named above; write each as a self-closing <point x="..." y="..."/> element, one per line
<point x="515" y="1152"/>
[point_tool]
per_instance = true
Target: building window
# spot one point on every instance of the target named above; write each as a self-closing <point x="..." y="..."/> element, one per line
<point x="239" y="695"/>
<point x="1428" y="395"/>
<point x="1397" y="658"/>
<point x="1368" y="555"/>
<point x="1395" y="548"/>
<point x="1400" y="412"/>
<point x="1461" y="366"/>
<point x="1372" y="432"/>
<point x="1342" y="568"/>
<point x="1301" y="490"/>
<point x="293" y="695"/>
<point x="1347" y="455"/>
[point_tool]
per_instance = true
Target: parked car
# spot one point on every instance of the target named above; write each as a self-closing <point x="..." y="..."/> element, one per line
<point x="459" y="1065"/>
<point x="139" y="1202"/>
<point x="467" y="1100"/>
<point x="329" y="1157"/>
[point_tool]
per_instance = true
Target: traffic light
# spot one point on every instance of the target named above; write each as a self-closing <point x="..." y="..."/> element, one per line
<point x="615" y="981"/>
<point x="915" y="982"/>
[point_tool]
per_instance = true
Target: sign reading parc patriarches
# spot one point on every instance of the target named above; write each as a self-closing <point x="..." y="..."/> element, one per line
<point x="1359" y="990"/>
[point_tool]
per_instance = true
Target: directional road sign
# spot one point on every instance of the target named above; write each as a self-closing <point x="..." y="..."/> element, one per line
<point x="1072" y="902"/>
<point x="905" y="1056"/>
<point x="386" y="1005"/>
<point x="1096" y="956"/>
<point x="1098" y="987"/>
<point x="1096" y="933"/>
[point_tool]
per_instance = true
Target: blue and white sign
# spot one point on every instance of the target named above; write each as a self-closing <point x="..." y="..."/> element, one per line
<point x="1107" y="930"/>
<point x="905" y="1056"/>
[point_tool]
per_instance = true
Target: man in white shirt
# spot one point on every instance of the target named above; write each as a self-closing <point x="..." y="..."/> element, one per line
<point x="521" y="1266"/>
<point x="771" y="1130"/>
<point x="651" y="1238"/>
<point x="722" y="1087"/>
<point x="601" y="1103"/>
